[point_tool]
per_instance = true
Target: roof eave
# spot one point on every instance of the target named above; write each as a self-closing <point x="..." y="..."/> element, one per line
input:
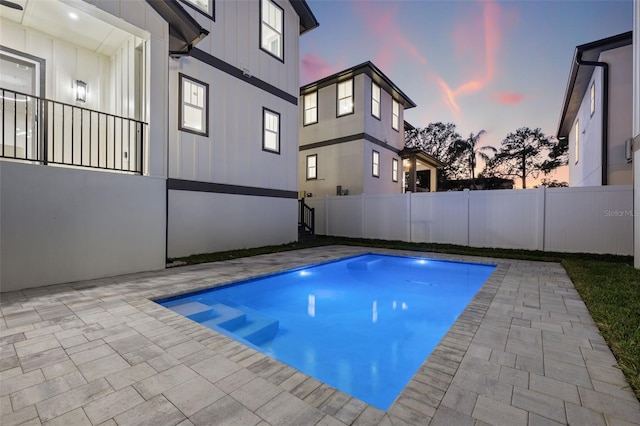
<point x="307" y="19"/>
<point x="184" y="31"/>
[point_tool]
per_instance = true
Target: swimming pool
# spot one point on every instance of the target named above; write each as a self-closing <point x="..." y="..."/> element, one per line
<point x="363" y="325"/>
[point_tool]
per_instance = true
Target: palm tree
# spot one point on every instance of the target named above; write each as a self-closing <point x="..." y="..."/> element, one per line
<point x="470" y="148"/>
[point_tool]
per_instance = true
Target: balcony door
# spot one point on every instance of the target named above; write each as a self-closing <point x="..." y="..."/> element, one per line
<point x="20" y="84"/>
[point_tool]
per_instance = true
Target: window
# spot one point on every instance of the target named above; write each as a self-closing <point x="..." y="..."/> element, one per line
<point x="205" y="6"/>
<point x="394" y="169"/>
<point x="395" y="117"/>
<point x="592" y="96"/>
<point x="271" y="134"/>
<point x="194" y="106"/>
<point x="577" y="131"/>
<point x="272" y="22"/>
<point x="375" y="164"/>
<point x="375" y="100"/>
<point x="312" y="166"/>
<point x="345" y="97"/>
<point x="311" y="108"/>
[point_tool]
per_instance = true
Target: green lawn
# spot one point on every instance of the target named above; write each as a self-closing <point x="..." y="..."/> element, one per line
<point x="609" y="286"/>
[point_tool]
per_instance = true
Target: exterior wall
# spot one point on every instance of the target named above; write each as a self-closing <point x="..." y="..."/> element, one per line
<point x="588" y="170"/>
<point x="383" y="184"/>
<point x="351" y="160"/>
<point x="555" y="219"/>
<point x="218" y="222"/>
<point x="61" y="225"/>
<point x="329" y="126"/>
<point x="636" y="128"/>
<point x="339" y="164"/>
<point x="381" y="129"/>
<point x="232" y="153"/>
<point x="620" y="113"/>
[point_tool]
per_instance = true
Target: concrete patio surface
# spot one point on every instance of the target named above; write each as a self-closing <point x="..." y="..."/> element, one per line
<point x="524" y="352"/>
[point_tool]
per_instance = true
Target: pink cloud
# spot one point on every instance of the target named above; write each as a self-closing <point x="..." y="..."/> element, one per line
<point x="507" y="98"/>
<point x="477" y="39"/>
<point x="388" y="33"/>
<point x="314" y="67"/>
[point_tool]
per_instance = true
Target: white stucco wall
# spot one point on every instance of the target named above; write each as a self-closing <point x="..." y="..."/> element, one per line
<point x="60" y="225"/>
<point x="587" y="171"/>
<point x="381" y="129"/>
<point x="340" y="164"/>
<point x="383" y="184"/>
<point x="218" y="222"/>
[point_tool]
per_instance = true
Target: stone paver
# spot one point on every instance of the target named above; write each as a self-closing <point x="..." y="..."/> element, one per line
<point x="524" y="352"/>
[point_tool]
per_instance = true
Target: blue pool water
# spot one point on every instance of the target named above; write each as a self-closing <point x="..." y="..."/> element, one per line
<point x="363" y="325"/>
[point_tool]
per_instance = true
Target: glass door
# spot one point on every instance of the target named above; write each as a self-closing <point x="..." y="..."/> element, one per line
<point x="19" y="89"/>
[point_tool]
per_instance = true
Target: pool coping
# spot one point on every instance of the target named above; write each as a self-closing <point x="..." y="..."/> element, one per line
<point x="446" y="355"/>
<point x="483" y="370"/>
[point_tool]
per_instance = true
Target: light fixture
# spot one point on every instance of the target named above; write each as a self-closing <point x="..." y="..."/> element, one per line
<point x="73" y="16"/>
<point x="81" y="91"/>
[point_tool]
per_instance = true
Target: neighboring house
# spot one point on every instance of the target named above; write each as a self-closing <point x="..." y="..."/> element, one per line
<point x="352" y="134"/>
<point x="133" y="131"/>
<point x="597" y="112"/>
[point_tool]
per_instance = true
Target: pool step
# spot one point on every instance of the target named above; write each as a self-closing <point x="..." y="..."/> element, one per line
<point x="187" y="308"/>
<point x="366" y="264"/>
<point x="239" y="320"/>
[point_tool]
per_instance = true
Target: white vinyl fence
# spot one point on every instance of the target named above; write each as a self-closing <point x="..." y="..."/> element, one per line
<point x="588" y="219"/>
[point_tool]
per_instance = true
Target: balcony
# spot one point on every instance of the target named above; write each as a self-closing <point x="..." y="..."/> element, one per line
<point x="42" y="131"/>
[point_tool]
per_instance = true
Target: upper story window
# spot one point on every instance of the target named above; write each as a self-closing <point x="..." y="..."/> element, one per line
<point x="312" y="167"/>
<point x="375" y="164"/>
<point x="310" y="108"/>
<point x="271" y="131"/>
<point x="395" y="115"/>
<point x="394" y="169"/>
<point x="345" y="97"/>
<point x="271" y="28"/>
<point x="592" y="98"/>
<point x="577" y="132"/>
<point x="375" y="100"/>
<point x="205" y="6"/>
<point x="194" y="106"/>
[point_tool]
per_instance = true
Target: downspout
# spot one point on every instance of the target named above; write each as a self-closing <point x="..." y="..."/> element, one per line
<point x="605" y="111"/>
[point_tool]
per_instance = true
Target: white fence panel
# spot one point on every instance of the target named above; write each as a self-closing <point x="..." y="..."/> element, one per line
<point x="440" y="217"/>
<point x="387" y="217"/>
<point x="595" y="219"/>
<point x="346" y="216"/>
<point x="506" y="218"/>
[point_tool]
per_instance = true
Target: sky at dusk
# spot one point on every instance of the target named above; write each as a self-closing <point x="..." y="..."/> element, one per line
<point x="483" y="65"/>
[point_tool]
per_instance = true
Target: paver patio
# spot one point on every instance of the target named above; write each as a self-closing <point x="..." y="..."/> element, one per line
<point x="524" y="352"/>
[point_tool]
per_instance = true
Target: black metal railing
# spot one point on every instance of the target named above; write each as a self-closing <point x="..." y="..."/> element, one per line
<point x="41" y="130"/>
<point x="306" y="217"/>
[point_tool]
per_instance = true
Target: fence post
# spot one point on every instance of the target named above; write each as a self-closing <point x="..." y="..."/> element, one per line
<point x="541" y="216"/>
<point x="326" y="216"/>
<point x="466" y="193"/>
<point x="409" y="217"/>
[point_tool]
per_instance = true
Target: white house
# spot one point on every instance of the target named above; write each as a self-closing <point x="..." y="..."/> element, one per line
<point x="352" y="136"/>
<point x="596" y="114"/>
<point x="133" y="131"/>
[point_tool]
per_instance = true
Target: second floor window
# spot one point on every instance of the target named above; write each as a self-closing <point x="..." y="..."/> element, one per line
<point x="272" y="17"/>
<point x="592" y="98"/>
<point x="375" y="100"/>
<point x="345" y="97"/>
<point x="577" y="131"/>
<point x="395" y="117"/>
<point x="311" y="108"/>
<point x="194" y="105"/>
<point x="204" y="5"/>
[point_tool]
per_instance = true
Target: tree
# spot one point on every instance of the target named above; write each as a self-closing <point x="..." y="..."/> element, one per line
<point x="523" y="154"/>
<point x="469" y="148"/>
<point x="553" y="183"/>
<point x="437" y="140"/>
<point x="558" y="156"/>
